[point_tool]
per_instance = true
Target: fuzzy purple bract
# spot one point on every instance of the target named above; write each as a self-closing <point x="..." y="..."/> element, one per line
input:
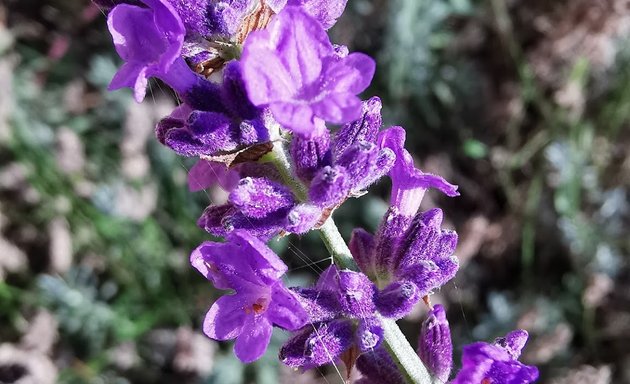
<point x="342" y="313"/>
<point x="435" y="347"/>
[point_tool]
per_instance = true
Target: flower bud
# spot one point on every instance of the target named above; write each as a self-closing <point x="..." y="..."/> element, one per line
<point x="435" y="346"/>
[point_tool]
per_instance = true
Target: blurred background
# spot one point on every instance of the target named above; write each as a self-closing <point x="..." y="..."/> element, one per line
<point x="525" y="104"/>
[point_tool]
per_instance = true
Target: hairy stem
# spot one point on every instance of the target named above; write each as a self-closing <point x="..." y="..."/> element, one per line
<point x="336" y="245"/>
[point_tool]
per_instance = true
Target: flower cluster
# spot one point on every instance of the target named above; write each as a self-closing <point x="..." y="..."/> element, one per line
<point x="270" y="109"/>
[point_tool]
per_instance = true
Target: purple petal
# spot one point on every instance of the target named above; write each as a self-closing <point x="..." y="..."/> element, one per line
<point x="136" y="37"/>
<point x="409" y="183"/>
<point x="293" y="68"/>
<point x="254" y="339"/>
<point x="351" y="74"/>
<point x="325" y="11"/>
<point x="513" y="342"/>
<point x="495" y="363"/>
<point x="284" y="55"/>
<point x="266" y="264"/>
<point x="199" y="260"/>
<point x="285" y="310"/>
<point x="205" y="174"/>
<point x="148" y="39"/>
<point x="225" y="319"/>
<point x="338" y="107"/>
<point x="214" y="260"/>
<point x="329" y="279"/>
<point x="133" y="76"/>
<point x="297" y="117"/>
<point x="435" y="347"/>
<point x="301" y="43"/>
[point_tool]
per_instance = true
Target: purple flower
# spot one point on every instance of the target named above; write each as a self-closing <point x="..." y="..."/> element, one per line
<point x="293" y="68"/>
<point x="352" y="164"/>
<point x="257" y="198"/>
<point x="341" y="314"/>
<point x="496" y="363"/>
<point x="231" y="124"/>
<point x="205" y="174"/>
<point x="363" y="129"/>
<point x="325" y="11"/>
<point x="148" y="39"/>
<point x="258" y="201"/>
<point x="252" y="270"/>
<point x="406" y="251"/>
<point x="425" y="256"/>
<point x="377" y="367"/>
<point x="435" y="347"/>
<point x="342" y="310"/>
<point x="409" y="183"/>
<point x="195" y="15"/>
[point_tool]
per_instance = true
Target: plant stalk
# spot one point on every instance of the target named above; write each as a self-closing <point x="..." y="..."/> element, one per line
<point x="407" y="360"/>
<point x="396" y="343"/>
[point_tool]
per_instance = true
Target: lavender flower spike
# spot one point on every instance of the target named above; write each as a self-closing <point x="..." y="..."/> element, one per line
<point x="148" y="39"/>
<point x="435" y="346"/>
<point x="409" y="183"/>
<point x="342" y="314"/>
<point x="496" y="363"/>
<point x="293" y="68"/>
<point x="260" y="300"/>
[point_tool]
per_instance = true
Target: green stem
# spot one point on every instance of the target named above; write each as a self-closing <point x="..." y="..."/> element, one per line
<point x="336" y="245"/>
<point x="396" y="343"/>
<point x="405" y="357"/>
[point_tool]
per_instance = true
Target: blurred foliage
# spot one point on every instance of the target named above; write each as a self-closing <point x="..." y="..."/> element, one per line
<point x="96" y="222"/>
